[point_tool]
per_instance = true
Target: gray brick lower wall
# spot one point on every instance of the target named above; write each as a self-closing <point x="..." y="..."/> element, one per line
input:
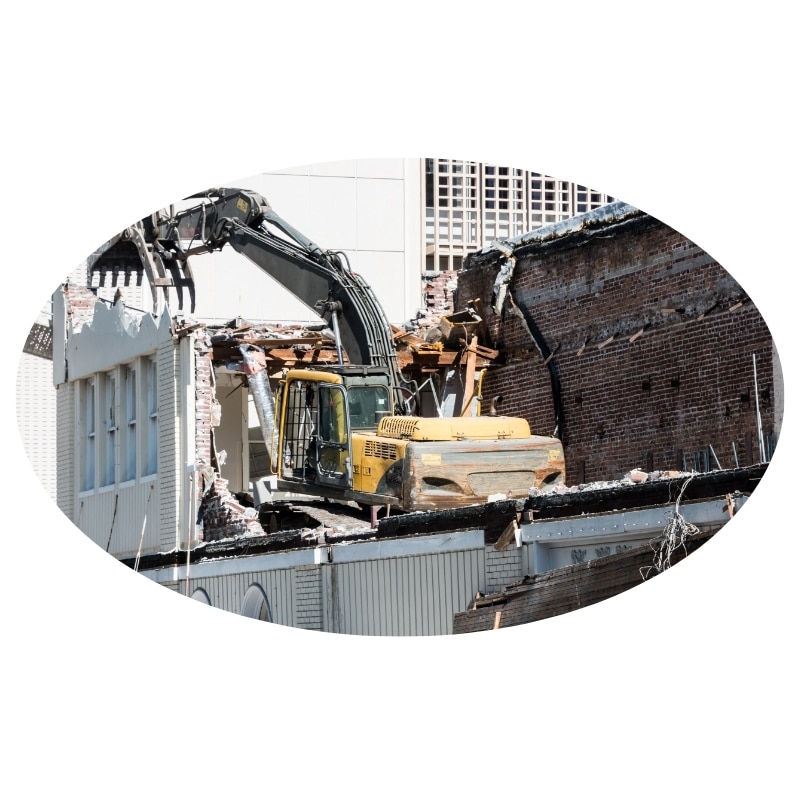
<point x="308" y="597"/>
<point x="502" y="567"/>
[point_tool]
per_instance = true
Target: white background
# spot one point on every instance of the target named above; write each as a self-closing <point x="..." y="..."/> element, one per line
<point x="113" y="687"/>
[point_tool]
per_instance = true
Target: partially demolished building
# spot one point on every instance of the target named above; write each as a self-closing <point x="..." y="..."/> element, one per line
<point x="612" y="330"/>
<point x="631" y="342"/>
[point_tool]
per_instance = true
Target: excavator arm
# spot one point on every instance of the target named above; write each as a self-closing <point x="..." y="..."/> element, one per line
<point x="245" y="221"/>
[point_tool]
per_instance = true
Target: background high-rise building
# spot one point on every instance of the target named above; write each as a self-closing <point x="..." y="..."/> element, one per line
<point x="468" y="204"/>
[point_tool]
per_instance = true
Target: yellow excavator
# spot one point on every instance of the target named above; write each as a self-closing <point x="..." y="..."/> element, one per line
<point x="343" y="431"/>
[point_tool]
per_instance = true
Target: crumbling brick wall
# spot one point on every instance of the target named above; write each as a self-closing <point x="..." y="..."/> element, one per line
<point x="204" y="396"/>
<point x="80" y="302"/>
<point x="652" y="343"/>
<point x="439" y="295"/>
<point x="220" y="514"/>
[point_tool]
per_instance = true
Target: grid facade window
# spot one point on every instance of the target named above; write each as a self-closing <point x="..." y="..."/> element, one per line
<point x="468" y="205"/>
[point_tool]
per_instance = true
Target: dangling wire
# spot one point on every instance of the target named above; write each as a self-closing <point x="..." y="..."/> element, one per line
<point x="672" y="539"/>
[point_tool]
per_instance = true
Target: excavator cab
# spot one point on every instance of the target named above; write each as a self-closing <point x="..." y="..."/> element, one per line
<point x="319" y="413"/>
<point x="314" y="430"/>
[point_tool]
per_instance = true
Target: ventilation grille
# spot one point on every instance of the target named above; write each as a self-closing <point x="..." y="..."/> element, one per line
<point x="398" y="427"/>
<point x="380" y="449"/>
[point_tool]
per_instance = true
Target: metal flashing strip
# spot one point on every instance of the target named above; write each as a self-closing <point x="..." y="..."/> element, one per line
<point x="416" y="546"/>
<point x="625" y="524"/>
<point x="330" y="553"/>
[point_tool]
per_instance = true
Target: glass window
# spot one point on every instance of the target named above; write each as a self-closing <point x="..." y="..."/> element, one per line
<point x="129" y="472"/>
<point x="110" y="417"/>
<point x="151" y="449"/>
<point x="367" y="405"/>
<point x="88" y="412"/>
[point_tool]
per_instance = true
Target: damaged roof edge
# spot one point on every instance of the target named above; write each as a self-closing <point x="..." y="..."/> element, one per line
<point x="610" y="214"/>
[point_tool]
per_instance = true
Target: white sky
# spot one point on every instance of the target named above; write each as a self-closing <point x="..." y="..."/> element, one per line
<point x="681" y="685"/>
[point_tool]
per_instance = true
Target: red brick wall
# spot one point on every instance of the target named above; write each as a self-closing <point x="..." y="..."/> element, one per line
<point x="683" y="384"/>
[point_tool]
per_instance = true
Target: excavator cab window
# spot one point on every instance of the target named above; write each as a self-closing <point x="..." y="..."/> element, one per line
<point x="366" y="406"/>
<point x="299" y="425"/>
<point x="331" y="442"/>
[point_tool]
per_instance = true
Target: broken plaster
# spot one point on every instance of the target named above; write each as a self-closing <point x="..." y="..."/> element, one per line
<point x="113" y="336"/>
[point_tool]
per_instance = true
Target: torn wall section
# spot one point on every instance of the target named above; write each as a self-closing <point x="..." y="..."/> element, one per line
<point x="220" y="514"/>
<point x="238" y="367"/>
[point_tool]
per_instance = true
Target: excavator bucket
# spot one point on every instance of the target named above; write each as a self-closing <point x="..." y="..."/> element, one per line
<point x="127" y="258"/>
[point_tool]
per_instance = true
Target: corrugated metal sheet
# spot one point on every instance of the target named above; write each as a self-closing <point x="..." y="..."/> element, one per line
<point x="413" y="595"/>
<point x="113" y="519"/>
<point x="228" y="591"/>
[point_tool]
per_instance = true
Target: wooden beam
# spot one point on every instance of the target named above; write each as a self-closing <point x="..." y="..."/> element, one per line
<point x="469" y="375"/>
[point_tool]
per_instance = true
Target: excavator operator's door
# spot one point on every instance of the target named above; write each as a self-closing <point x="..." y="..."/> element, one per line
<point x="316" y="434"/>
<point x="332" y="440"/>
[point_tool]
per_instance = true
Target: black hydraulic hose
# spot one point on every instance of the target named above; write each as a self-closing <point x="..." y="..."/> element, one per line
<point x="547" y="355"/>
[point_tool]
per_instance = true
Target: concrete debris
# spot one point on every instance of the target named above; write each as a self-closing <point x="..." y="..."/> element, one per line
<point x="635" y="476"/>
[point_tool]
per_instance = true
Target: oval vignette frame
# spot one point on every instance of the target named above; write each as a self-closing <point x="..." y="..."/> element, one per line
<point x="604" y="326"/>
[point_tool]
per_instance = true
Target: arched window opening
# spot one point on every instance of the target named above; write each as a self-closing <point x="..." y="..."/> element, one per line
<point x="201" y="595"/>
<point x="256" y="605"/>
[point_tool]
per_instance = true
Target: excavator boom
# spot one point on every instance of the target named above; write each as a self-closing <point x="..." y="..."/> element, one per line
<point x="245" y="221"/>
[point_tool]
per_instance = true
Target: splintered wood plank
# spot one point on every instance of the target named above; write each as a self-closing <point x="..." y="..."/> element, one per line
<point x="469" y="375"/>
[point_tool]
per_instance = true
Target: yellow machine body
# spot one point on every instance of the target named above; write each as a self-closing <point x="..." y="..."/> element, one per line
<point x="337" y="440"/>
